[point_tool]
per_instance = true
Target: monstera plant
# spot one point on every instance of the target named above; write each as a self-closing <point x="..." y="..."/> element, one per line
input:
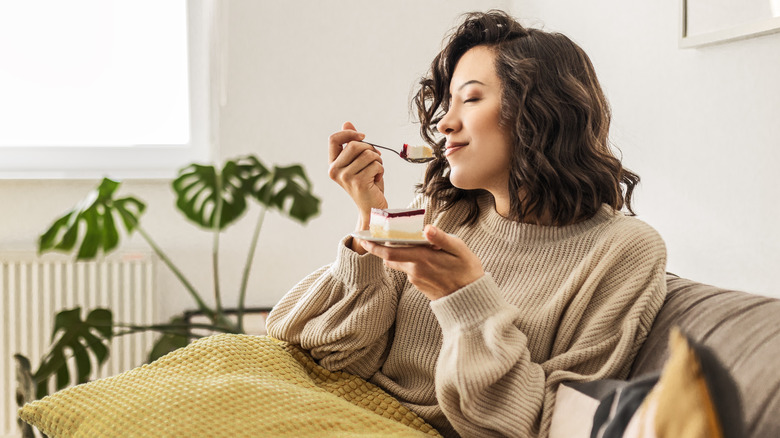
<point x="211" y="198"/>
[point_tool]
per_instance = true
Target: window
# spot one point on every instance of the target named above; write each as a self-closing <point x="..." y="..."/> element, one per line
<point x="95" y="87"/>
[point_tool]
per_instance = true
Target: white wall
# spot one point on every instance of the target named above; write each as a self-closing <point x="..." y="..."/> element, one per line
<point x="701" y="126"/>
<point x="296" y="70"/>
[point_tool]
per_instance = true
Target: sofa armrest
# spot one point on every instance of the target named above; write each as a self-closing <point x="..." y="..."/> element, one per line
<point x="742" y="329"/>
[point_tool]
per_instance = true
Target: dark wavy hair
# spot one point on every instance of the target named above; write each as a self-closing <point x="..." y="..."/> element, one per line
<point x="558" y="114"/>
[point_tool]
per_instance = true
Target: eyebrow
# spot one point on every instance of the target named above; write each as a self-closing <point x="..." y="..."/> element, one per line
<point x="473" y="81"/>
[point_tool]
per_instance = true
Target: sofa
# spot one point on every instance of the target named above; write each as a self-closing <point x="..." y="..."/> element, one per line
<point x="743" y="332"/>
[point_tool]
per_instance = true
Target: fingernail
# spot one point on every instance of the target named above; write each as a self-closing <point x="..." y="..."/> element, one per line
<point x="361" y="136"/>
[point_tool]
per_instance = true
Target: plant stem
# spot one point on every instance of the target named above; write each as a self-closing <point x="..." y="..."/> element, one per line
<point x="215" y="246"/>
<point x="264" y="204"/>
<point x="190" y="288"/>
<point x="132" y="328"/>
<point x="245" y="277"/>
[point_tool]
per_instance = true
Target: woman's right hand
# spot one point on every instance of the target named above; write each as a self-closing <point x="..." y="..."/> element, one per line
<point x="357" y="168"/>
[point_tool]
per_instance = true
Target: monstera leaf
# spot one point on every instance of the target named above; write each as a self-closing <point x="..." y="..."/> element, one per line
<point x="203" y="193"/>
<point x="171" y="340"/>
<point x="92" y="220"/>
<point x="25" y="391"/>
<point x="287" y="189"/>
<point x="80" y="337"/>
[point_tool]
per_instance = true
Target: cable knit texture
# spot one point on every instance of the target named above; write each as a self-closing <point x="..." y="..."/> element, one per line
<point x="569" y="303"/>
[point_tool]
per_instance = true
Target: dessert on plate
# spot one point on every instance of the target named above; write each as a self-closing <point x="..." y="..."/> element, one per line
<point x="397" y="223"/>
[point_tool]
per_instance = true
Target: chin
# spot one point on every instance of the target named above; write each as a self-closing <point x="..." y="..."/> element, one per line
<point x="460" y="183"/>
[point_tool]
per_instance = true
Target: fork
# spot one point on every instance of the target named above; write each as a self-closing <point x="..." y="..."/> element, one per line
<point x="401" y="154"/>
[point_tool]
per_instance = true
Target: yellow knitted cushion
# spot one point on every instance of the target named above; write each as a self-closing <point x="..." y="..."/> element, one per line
<point x="226" y="385"/>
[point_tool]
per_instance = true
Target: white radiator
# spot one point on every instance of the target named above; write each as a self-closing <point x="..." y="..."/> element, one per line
<point x="35" y="288"/>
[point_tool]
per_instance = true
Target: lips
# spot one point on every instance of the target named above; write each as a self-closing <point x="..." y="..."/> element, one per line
<point x="453" y="147"/>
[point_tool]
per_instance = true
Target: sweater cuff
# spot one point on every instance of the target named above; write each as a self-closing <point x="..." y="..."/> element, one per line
<point x="470" y="305"/>
<point x="358" y="270"/>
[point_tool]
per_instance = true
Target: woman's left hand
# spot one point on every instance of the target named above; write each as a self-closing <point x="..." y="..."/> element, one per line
<point x="436" y="270"/>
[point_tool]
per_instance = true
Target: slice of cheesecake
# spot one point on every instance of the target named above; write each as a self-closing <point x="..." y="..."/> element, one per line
<point x="398" y="223"/>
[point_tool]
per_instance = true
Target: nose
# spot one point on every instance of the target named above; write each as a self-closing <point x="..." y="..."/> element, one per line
<point x="448" y="123"/>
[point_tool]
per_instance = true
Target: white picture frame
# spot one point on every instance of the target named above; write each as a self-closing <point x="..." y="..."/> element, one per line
<point x="704" y="23"/>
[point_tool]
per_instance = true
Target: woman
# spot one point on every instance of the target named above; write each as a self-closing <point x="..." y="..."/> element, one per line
<point x="534" y="276"/>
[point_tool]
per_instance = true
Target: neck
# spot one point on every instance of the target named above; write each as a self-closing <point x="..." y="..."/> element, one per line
<point x="503" y="208"/>
<point x="502" y="205"/>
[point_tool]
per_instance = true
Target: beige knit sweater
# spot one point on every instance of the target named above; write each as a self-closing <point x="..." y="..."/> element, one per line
<point x="557" y="304"/>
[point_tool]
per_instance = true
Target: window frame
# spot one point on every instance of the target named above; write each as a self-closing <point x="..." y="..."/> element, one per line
<point x="136" y="161"/>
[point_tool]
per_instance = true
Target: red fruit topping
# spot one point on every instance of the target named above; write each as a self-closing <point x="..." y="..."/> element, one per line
<point x="404" y="153"/>
<point x="398" y="212"/>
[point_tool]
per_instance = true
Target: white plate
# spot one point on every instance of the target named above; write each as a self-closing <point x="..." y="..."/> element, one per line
<point x="366" y="235"/>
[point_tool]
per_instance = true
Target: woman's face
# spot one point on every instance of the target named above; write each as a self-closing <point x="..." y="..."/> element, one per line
<point x="478" y="148"/>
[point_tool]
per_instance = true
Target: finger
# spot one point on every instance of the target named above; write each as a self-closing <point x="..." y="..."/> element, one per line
<point x="356" y="156"/>
<point x="348" y="126"/>
<point x="397" y="255"/>
<point x="337" y="140"/>
<point x="373" y="148"/>
<point x="358" y="153"/>
<point x="370" y="247"/>
<point x="380" y="251"/>
<point x="353" y="178"/>
<point x="441" y="240"/>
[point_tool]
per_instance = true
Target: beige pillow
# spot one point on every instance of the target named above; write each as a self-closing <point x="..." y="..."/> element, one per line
<point x="573" y="413"/>
<point x="226" y="385"/>
<point x="576" y="404"/>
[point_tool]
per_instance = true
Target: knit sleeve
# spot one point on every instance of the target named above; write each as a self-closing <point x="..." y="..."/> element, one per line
<point x="342" y="313"/>
<point x="488" y="384"/>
